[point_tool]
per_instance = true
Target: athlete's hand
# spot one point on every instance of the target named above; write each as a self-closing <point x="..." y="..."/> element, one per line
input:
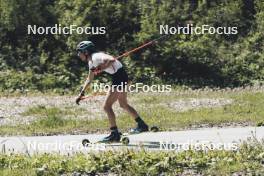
<point x="79" y="98"/>
<point x="97" y="69"/>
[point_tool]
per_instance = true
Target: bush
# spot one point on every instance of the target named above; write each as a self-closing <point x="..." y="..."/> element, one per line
<point x="48" y="62"/>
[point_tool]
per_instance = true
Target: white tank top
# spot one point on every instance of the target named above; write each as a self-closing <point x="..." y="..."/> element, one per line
<point x="100" y="57"/>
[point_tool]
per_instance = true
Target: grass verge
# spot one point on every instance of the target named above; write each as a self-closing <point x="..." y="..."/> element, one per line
<point x="247" y="107"/>
<point x="248" y="160"/>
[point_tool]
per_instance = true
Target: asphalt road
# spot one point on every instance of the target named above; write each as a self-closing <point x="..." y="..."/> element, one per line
<point x="202" y="139"/>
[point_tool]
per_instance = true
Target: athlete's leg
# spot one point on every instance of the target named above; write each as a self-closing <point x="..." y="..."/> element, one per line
<point x="110" y="100"/>
<point x="114" y="136"/>
<point x="122" y="99"/>
<point x="141" y="125"/>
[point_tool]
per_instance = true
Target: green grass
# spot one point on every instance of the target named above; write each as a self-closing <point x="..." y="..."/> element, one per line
<point x="51" y="121"/>
<point x="248" y="160"/>
<point x="56" y="125"/>
<point x="247" y="107"/>
<point x="43" y="111"/>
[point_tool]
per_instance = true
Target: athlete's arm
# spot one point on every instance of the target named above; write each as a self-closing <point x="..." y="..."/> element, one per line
<point x="88" y="81"/>
<point x="107" y="62"/>
<point x="85" y="86"/>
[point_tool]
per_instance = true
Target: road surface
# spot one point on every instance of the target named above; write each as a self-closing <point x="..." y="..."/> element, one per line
<point x="210" y="138"/>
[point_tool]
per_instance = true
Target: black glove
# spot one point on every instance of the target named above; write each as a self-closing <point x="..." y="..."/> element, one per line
<point x="79" y="97"/>
<point x="77" y="101"/>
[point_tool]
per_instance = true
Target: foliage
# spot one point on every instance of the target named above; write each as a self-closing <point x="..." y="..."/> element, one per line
<point x="247" y="160"/>
<point x="43" y="62"/>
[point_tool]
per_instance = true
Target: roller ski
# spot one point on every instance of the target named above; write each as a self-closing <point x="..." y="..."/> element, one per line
<point x="115" y="137"/>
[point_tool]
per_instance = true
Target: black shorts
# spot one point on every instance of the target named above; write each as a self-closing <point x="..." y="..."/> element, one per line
<point x="120" y="77"/>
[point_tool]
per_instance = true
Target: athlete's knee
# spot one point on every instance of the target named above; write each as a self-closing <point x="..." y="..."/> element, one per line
<point x="107" y="107"/>
<point x="124" y="105"/>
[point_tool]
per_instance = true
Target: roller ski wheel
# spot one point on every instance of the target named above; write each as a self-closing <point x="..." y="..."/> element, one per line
<point x="125" y="140"/>
<point x="154" y="129"/>
<point x="86" y="142"/>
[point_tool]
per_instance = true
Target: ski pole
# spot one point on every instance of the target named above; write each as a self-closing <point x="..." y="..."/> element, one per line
<point x="140" y="47"/>
<point x="96" y="72"/>
<point x="92" y="96"/>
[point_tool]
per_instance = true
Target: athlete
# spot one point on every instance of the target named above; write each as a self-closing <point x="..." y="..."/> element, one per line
<point x="98" y="62"/>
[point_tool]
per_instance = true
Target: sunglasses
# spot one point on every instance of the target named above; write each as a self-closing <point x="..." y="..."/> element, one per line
<point x="79" y="53"/>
